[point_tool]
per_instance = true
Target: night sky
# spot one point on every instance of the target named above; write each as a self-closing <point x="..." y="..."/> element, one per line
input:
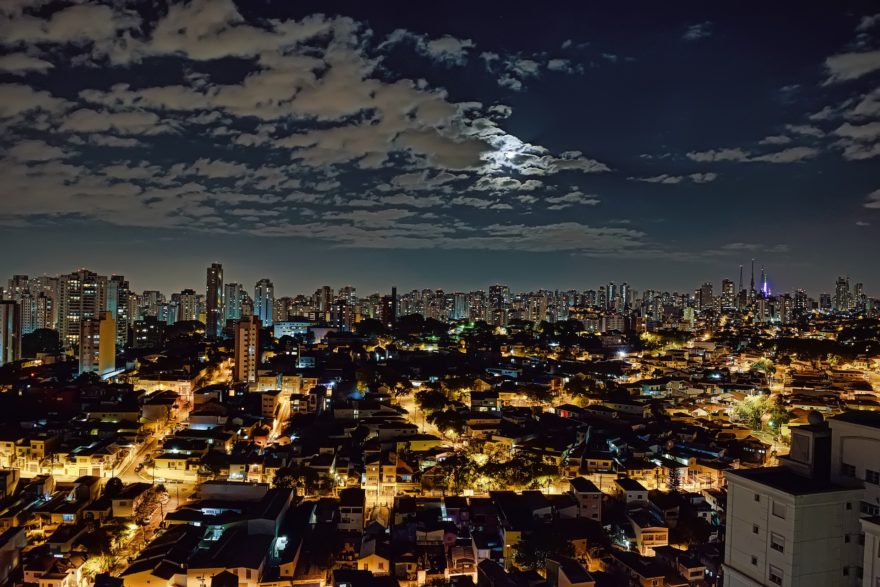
<point x="442" y="144"/>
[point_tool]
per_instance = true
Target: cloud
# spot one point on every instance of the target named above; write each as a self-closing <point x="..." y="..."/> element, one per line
<point x="862" y="223"/>
<point x="751" y="248"/>
<point x="804" y="130"/>
<point x="695" y="32"/>
<point x="133" y="122"/>
<point x="868" y="22"/>
<point x="775" y="140"/>
<point x="513" y="71"/>
<point x="21" y="63"/>
<point x="791" y="155"/>
<point x="873" y="200"/>
<point x="849" y="66"/>
<point x="447" y="49"/>
<point x="853" y="151"/>
<point x="572" y="198"/>
<point x="864" y="132"/>
<point x="718" y="155"/>
<point x="35" y="150"/>
<point x="17" y="99"/>
<point x="677" y="179"/>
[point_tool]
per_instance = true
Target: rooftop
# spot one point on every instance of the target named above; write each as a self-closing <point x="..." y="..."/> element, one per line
<point x="861" y="417"/>
<point x="787" y="481"/>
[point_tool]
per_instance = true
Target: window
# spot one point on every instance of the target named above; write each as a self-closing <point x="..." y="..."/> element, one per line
<point x="872" y="476"/>
<point x="848" y="505"/>
<point x="847" y="470"/>
<point x="757" y="497"/>
<point x="846" y="571"/>
<point x="846" y="538"/>
<point x="755" y="560"/>
<point x="754" y="528"/>
<point x="779" y="509"/>
<point x="777" y="542"/>
<point x="869" y="508"/>
<point x="775" y="575"/>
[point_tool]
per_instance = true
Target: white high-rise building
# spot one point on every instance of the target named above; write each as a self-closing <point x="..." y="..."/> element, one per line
<point x="799" y="524"/>
<point x="82" y="294"/>
<point x="10" y="332"/>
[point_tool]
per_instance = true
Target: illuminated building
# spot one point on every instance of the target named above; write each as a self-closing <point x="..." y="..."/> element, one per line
<point x="728" y="295"/>
<point x="247" y="349"/>
<point x="388" y="309"/>
<point x="214" y="315"/>
<point x="10" y="332"/>
<point x="117" y="305"/>
<point x="148" y="333"/>
<point x="187" y="306"/>
<point x="706" y="299"/>
<point x="82" y="294"/>
<point x="842" y="295"/>
<point x="97" y="344"/>
<point x="264" y="301"/>
<point x="232" y="295"/>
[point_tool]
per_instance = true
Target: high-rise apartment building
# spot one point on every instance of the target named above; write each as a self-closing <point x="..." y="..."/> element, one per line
<point x="388" y="309"/>
<point x="813" y="520"/>
<point x="264" y="301"/>
<point x="10" y="332"/>
<point x="214" y="314"/>
<point x="232" y="295"/>
<point x="148" y="333"/>
<point x="842" y="295"/>
<point x="81" y="294"/>
<point x="705" y="297"/>
<point x="247" y="349"/>
<point x="118" y="305"/>
<point x="97" y="344"/>
<point x="728" y="295"/>
<point x="187" y="306"/>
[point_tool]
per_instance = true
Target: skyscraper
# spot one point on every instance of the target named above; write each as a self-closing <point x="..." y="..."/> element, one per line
<point x="247" y="349"/>
<point x="728" y="295"/>
<point x="97" y="344"/>
<point x="214" y="316"/>
<point x="187" y="306"/>
<point x="232" y="295"/>
<point x="117" y="305"/>
<point x="841" y="295"/>
<point x="388" y="310"/>
<point x="82" y="294"/>
<point x="10" y="332"/>
<point x="264" y="301"/>
<point x="706" y="297"/>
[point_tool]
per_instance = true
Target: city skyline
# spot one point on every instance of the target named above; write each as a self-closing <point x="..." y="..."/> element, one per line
<point x="762" y="276"/>
<point x="380" y="145"/>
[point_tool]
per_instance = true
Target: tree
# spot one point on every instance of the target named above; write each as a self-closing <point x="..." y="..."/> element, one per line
<point x="449" y="421"/>
<point x="41" y="340"/>
<point x="297" y="476"/>
<point x="430" y="400"/>
<point x="533" y="548"/>
<point x="148" y="504"/>
<point x="113" y="487"/>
